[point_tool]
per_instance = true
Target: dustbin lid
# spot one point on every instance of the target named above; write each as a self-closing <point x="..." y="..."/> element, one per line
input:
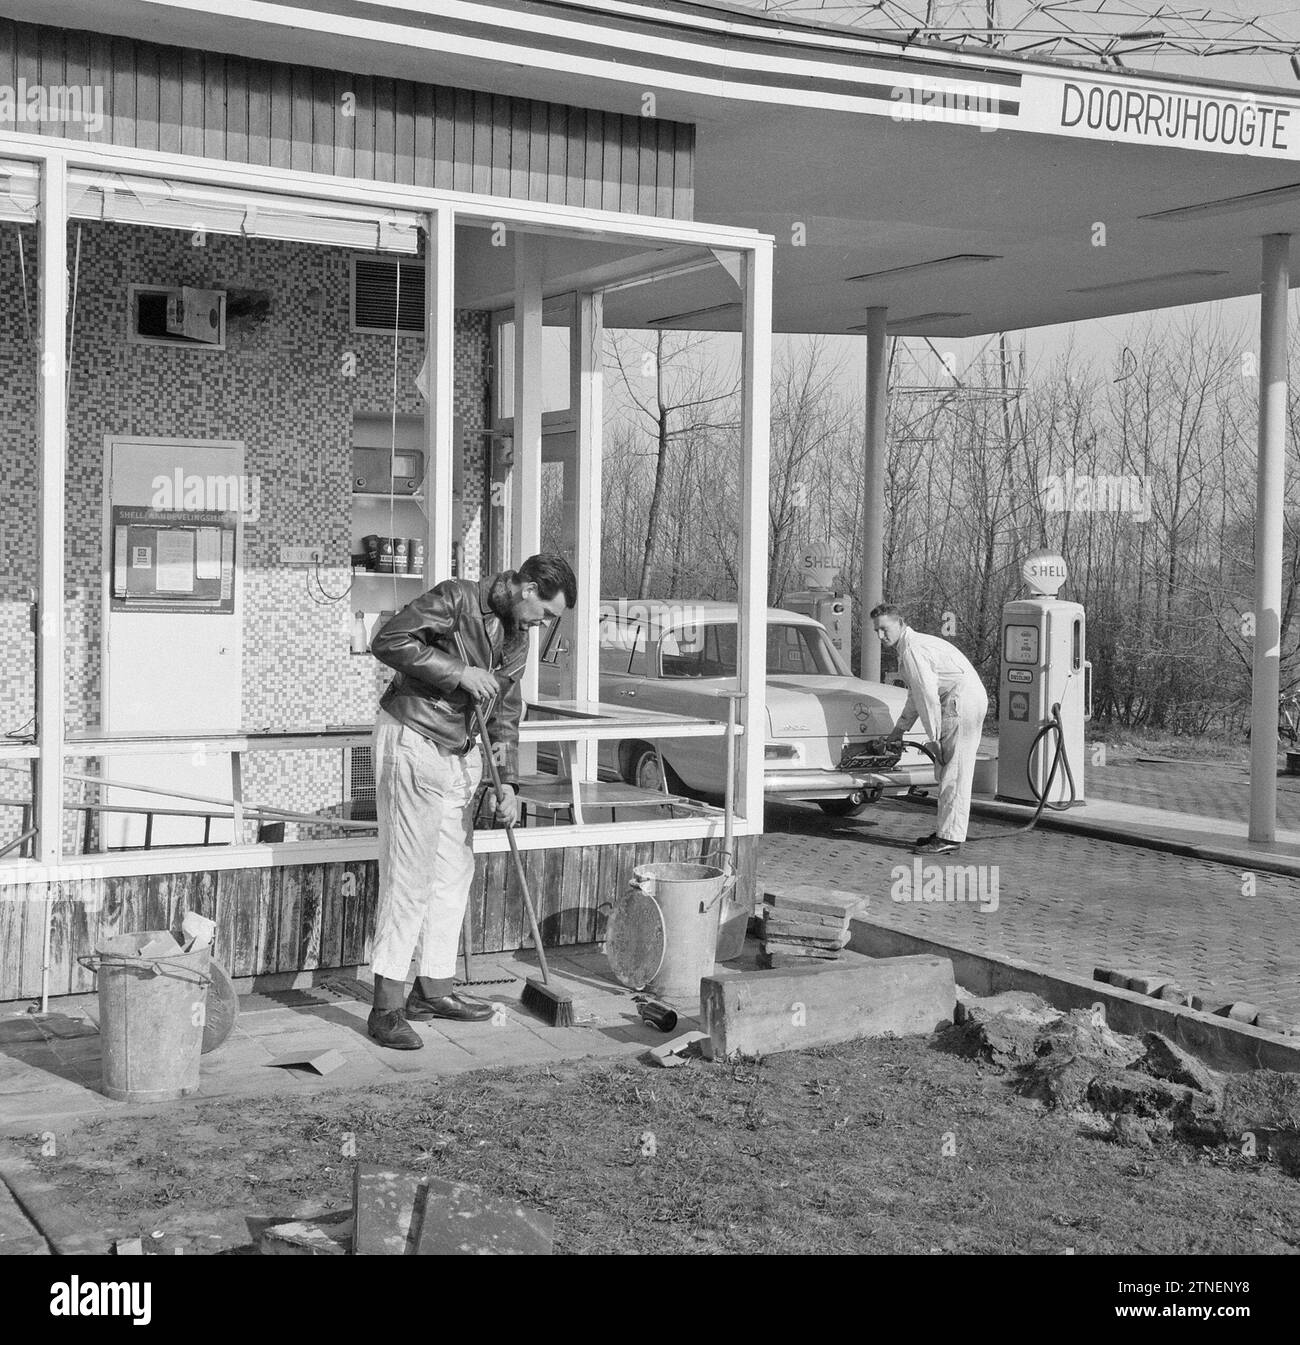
<point x="635" y="939"/>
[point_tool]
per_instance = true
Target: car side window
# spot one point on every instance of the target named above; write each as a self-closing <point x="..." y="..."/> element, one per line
<point x="698" y="651"/>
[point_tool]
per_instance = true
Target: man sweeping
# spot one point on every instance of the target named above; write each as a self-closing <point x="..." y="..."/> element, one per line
<point x="945" y="691"/>
<point x="427" y="769"/>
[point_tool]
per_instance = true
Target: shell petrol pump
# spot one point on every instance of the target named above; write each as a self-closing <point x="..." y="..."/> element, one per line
<point x="1045" y="691"/>
<point x="819" y="600"/>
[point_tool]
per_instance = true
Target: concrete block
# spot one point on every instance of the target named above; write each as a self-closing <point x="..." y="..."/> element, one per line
<point x="1174" y="994"/>
<point x="1240" y="1011"/>
<point x="757" y="1013"/>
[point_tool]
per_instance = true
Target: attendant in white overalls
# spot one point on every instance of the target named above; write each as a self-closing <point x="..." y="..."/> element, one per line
<point x="945" y="692"/>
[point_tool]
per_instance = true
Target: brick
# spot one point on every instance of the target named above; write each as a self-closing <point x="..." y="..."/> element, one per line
<point x="461" y="1220"/>
<point x="1174" y="994"/>
<point x="1145" y="984"/>
<point x="832" y="941"/>
<point x="330" y="1235"/>
<point x="1122" y="976"/>
<point x="1241" y="1011"/>
<point x="761" y="1012"/>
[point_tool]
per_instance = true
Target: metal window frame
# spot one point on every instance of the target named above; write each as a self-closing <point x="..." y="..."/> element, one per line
<point x="56" y="157"/>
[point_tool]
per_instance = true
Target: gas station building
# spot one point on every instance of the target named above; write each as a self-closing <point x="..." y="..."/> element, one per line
<point x="322" y="267"/>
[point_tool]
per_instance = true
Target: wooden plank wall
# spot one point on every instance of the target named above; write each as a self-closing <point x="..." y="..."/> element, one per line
<point x="216" y="106"/>
<point x="304" y="917"/>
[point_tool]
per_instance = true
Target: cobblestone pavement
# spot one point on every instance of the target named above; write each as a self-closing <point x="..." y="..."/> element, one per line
<point x="1211" y="790"/>
<point x="1064" y="901"/>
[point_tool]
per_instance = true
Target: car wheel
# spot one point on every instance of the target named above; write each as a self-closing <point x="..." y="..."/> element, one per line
<point x="856" y="804"/>
<point x="642" y="769"/>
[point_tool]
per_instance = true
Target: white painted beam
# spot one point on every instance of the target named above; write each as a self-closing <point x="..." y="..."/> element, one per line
<point x="585" y="625"/>
<point x="52" y="395"/>
<point x="526" y="475"/>
<point x="756" y="397"/>
<point x="439" y="337"/>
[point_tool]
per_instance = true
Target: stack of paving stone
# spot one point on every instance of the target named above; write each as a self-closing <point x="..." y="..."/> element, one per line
<point x="805" y="926"/>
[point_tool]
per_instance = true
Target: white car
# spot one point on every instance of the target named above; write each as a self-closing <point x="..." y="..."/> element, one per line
<point x="825" y="727"/>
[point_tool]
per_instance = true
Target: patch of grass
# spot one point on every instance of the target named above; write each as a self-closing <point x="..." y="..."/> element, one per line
<point x="871" y="1146"/>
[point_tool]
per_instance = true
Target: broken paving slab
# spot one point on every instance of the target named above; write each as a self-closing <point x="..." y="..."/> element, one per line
<point x="399" y="1213"/>
<point x="328" y="1235"/>
<point x="461" y="1220"/>
<point x="311" y="1062"/>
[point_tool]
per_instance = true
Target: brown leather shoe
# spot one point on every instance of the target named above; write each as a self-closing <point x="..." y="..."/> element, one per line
<point x="389" y="1028"/>
<point x="462" y="1008"/>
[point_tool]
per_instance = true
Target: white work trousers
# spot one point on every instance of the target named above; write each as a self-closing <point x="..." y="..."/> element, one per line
<point x="962" y="721"/>
<point x="426" y="863"/>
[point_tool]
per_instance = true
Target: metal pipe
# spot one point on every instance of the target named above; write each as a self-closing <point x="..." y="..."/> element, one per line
<point x="1269" y="485"/>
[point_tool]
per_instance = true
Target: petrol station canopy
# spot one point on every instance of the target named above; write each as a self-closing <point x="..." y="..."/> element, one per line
<point x="966" y="192"/>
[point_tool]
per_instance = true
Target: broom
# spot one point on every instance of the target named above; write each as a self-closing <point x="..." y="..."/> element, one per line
<point x="545" y="1000"/>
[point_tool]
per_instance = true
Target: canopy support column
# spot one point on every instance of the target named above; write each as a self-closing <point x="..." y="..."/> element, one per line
<point x="871" y="588"/>
<point x="1269" y="484"/>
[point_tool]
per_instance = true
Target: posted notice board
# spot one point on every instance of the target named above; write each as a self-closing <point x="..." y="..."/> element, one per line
<point x="173" y="560"/>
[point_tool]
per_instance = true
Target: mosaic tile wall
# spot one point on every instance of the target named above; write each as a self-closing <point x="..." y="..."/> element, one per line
<point x="19" y="506"/>
<point x="281" y="387"/>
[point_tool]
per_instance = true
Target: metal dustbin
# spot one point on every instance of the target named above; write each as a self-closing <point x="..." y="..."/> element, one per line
<point x="151" y="1014"/>
<point x="689" y="897"/>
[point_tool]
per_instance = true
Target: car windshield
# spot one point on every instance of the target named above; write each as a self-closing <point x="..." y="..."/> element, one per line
<point x="710" y="651"/>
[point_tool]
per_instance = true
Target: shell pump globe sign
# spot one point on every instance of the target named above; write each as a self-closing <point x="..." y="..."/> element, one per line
<point x="818" y="565"/>
<point x="1044" y="572"/>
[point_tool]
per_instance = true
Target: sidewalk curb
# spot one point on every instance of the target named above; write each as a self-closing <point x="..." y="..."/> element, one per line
<point x="39" y="1201"/>
<point x="1102" y="831"/>
<point x="1220" y="1042"/>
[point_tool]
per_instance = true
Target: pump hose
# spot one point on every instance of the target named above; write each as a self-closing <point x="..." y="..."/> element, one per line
<point x="1060" y="758"/>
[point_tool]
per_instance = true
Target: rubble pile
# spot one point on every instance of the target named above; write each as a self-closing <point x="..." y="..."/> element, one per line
<point x="1142" y="1088"/>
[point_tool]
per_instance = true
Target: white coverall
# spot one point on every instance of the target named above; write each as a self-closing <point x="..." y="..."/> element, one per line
<point x="945" y="691"/>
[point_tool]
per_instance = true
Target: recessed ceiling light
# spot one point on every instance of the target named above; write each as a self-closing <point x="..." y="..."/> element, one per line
<point x="694" y="313"/>
<point x="1230" y="205"/>
<point x="960" y="259"/>
<point x="1146" y="280"/>
<point x="914" y="321"/>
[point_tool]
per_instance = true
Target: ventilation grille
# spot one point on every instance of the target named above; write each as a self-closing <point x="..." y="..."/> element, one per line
<point x="375" y="295"/>
<point x="359" y="787"/>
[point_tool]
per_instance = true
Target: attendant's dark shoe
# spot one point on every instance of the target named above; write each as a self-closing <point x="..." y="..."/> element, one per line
<point x="936" y="845"/>
<point x="924" y="840"/>
<point x="461" y="1008"/>
<point x="389" y="1028"/>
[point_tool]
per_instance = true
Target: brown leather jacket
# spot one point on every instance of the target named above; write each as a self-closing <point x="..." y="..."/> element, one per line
<point x="426" y="692"/>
